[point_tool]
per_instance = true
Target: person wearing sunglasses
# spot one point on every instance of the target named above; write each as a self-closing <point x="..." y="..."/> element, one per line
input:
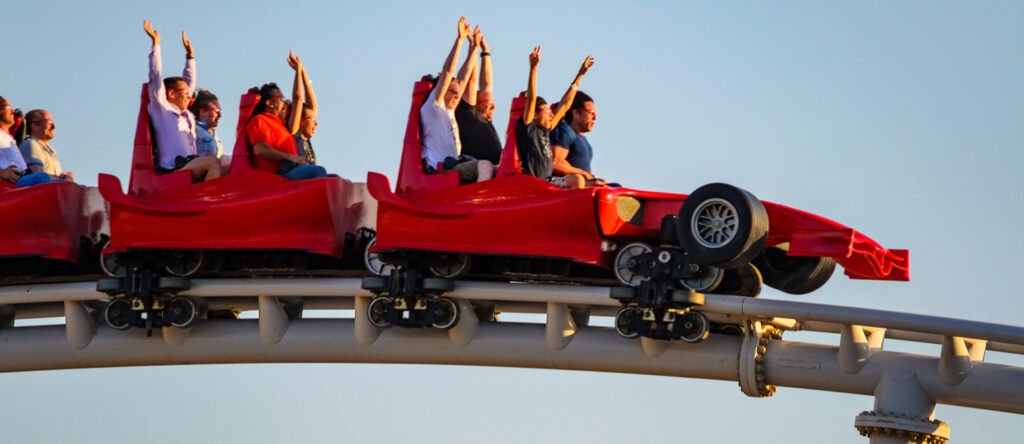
<point x="173" y="124"/>
<point x="39" y="156"/>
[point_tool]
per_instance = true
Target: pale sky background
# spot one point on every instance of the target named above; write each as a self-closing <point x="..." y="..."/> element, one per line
<point x="900" y="119"/>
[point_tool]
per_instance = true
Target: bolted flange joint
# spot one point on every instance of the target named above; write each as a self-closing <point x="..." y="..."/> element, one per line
<point x="914" y="429"/>
<point x="752" y="377"/>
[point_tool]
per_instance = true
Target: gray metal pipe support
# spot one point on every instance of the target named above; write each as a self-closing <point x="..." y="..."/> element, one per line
<point x="332" y="340"/>
<point x="812" y="366"/>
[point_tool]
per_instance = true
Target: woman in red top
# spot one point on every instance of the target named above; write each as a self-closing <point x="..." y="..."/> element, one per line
<point x="272" y="143"/>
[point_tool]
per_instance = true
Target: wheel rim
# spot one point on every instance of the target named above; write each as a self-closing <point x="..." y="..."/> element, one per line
<point x="709" y="278"/>
<point x="624" y="323"/>
<point x="373" y="262"/>
<point x="185" y="263"/>
<point x="715" y="223"/>
<point x="626" y="259"/>
<point x="117" y="314"/>
<point x="109" y="263"/>
<point x="377" y="312"/>
<point x="446" y="312"/>
<point x="695" y="326"/>
<point x="455" y="266"/>
<point x="182" y="311"/>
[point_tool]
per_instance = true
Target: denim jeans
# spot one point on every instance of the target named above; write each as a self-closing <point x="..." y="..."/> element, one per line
<point x="305" y="172"/>
<point x="35" y="179"/>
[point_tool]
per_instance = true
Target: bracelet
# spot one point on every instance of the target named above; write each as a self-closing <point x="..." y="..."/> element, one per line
<point x="573" y="86"/>
<point x="485" y="54"/>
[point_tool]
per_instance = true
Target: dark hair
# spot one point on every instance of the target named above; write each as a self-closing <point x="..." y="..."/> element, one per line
<point x="540" y="102"/>
<point x="267" y="91"/>
<point x="203" y="99"/>
<point x="581" y="99"/>
<point x="171" y="82"/>
<point x="31" y="117"/>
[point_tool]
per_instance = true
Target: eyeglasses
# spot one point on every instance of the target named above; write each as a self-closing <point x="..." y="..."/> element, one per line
<point x="179" y="90"/>
<point x="590" y="113"/>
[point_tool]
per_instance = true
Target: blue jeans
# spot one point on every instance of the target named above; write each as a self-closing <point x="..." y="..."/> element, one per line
<point x="305" y="172"/>
<point x="35" y="179"/>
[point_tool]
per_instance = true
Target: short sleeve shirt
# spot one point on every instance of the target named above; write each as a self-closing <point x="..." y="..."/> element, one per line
<point x="207" y="143"/>
<point x="305" y="148"/>
<point x="478" y="136"/>
<point x="39" y="153"/>
<point x="9" y="153"/>
<point x="580" y="152"/>
<point x="440" y="132"/>
<point x="269" y="129"/>
<point x="534" y="146"/>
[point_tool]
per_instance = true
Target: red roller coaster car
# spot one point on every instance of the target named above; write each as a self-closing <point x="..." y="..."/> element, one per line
<point x="521" y="227"/>
<point x="247" y="221"/>
<point x="50" y="229"/>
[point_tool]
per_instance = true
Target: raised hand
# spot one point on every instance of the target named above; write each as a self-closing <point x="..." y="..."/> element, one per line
<point x="294" y="61"/>
<point x="587" y="63"/>
<point x="535" y="56"/>
<point x="153" y="35"/>
<point x="463" y="28"/>
<point x="188" y="46"/>
<point x="478" y="37"/>
<point x="483" y="44"/>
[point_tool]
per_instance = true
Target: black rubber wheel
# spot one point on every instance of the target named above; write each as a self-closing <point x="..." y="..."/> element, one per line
<point x="119" y="314"/>
<point x="111" y="264"/>
<point x="373" y="262"/>
<point x="173" y="283"/>
<point x="722" y="225"/>
<point x="453" y="266"/>
<point x="438" y="284"/>
<point x="710" y="278"/>
<point x="181" y="312"/>
<point x="693" y="327"/>
<point x="185" y="263"/>
<point x="375" y="283"/>
<point x="742" y="281"/>
<point x="377" y="312"/>
<point x="623" y="293"/>
<point x="624" y="322"/>
<point x="446" y="313"/>
<point x="794" y="274"/>
<point x="109" y="285"/>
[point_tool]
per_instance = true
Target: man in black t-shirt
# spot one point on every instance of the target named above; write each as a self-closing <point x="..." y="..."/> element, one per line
<point x="533" y="131"/>
<point x="475" y="112"/>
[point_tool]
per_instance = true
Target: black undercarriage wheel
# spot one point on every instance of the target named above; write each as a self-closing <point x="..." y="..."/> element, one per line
<point x="119" y="314"/>
<point x="446" y="313"/>
<point x="373" y="262"/>
<point x="794" y="274"/>
<point x="722" y="225"/>
<point x="181" y="312"/>
<point x="111" y="264"/>
<point x="743" y="281"/>
<point x="693" y="327"/>
<point x="185" y="263"/>
<point x="624" y="321"/>
<point x="378" y="310"/>
<point x="706" y="282"/>
<point x="452" y="266"/>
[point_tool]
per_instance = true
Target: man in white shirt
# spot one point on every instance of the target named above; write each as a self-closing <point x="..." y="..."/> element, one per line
<point x="441" y="145"/>
<point x="36" y="150"/>
<point x="12" y="165"/>
<point x="173" y="124"/>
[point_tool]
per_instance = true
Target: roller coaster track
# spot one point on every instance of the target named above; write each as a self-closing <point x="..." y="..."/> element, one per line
<point x="906" y="387"/>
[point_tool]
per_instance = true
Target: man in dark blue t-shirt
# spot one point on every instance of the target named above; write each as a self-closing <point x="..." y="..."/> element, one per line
<point x="534" y="128"/>
<point x="571" y="148"/>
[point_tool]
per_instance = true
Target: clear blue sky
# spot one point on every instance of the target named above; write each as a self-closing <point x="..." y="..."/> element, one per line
<point x="901" y="119"/>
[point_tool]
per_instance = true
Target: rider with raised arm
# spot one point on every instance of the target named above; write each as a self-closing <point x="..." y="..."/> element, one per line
<point x="475" y="112"/>
<point x="442" y="148"/>
<point x="304" y="103"/>
<point x="173" y="123"/>
<point x="272" y="142"/>
<point x="533" y="131"/>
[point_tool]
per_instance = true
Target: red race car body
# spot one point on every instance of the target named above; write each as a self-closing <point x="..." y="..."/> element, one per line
<point x="518" y="215"/>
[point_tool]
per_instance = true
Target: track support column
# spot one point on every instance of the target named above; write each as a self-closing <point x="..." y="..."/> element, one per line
<point x="463" y="332"/>
<point x="79" y="325"/>
<point x="904" y="413"/>
<point x="273" y="320"/>
<point x="856" y="344"/>
<point x="560" y="327"/>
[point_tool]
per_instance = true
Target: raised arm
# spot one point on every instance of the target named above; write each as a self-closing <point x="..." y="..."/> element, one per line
<point x="297" y="94"/>
<point x="570" y="93"/>
<point x="486" y="77"/>
<point x="474" y="85"/>
<point x="308" y="88"/>
<point x="469" y="66"/>
<point x="449" y="64"/>
<point x="189" y="73"/>
<point x="531" y="87"/>
<point x="156" y="82"/>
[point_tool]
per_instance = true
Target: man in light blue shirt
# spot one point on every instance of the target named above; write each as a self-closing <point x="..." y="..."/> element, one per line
<point x="207" y="111"/>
